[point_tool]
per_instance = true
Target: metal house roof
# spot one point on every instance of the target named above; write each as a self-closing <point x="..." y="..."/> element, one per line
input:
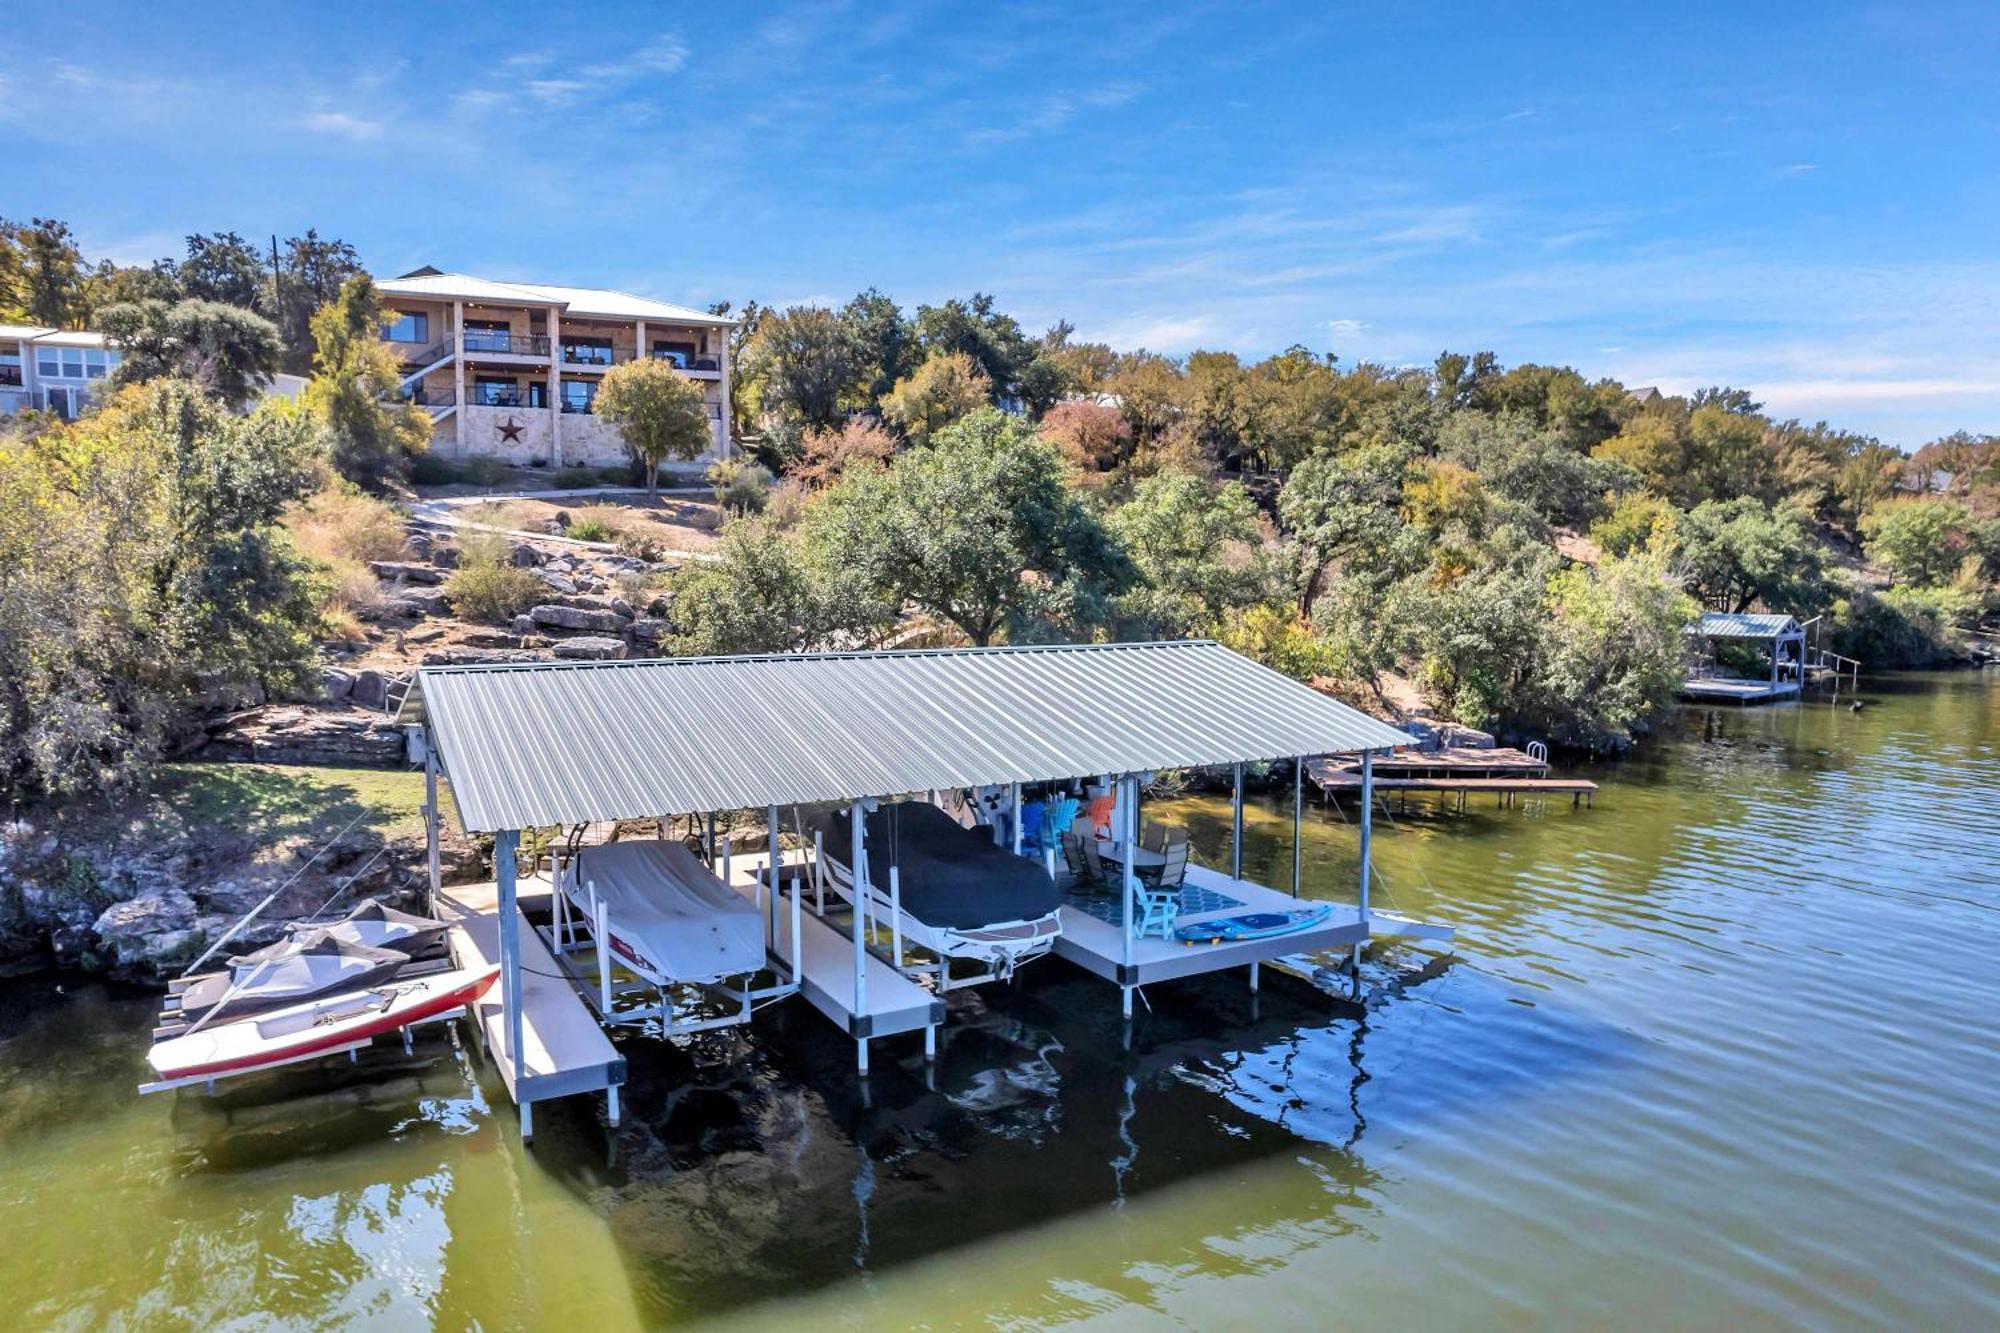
<point x="1736" y="625"/>
<point x="561" y="743"/>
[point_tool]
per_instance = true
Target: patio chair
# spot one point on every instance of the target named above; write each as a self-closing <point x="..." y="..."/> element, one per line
<point x="1031" y="823"/>
<point x="1060" y="816"/>
<point x="1157" y="909"/>
<point x="1080" y="855"/>
<point x="1153" y="837"/>
<point x="1169" y="877"/>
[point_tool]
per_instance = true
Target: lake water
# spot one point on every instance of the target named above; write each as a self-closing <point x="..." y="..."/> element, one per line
<point x="1718" y="1052"/>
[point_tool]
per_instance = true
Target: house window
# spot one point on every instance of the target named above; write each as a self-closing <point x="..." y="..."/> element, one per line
<point x="407" y="328"/>
<point x="72" y="362"/>
<point x="93" y="364"/>
<point x="681" y="354"/>
<point x="587" y="351"/>
<point x="489" y="335"/>
<point x="577" y="395"/>
<point x="487" y="392"/>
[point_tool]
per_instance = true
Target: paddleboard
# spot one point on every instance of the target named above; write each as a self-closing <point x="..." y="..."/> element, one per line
<point x="1252" y="926"/>
<point x="320" y="1025"/>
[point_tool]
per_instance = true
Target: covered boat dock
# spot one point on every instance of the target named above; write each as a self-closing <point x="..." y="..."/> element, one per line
<point x="541" y="745"/>
<point x="1781" y="636"/>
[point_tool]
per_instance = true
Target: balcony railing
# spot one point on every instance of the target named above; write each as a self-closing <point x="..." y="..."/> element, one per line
<point x="10" y="375"/>
<point x="596" y="355"/>
<point x="506" y="342"/>
<point x="429" y="395"/>
<point x="416" y="354"/>
<point x="491" y="396"/>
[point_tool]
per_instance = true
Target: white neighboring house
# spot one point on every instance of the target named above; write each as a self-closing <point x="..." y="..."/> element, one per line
<point x="52" y="370"/>
<point x="510" y="370"/>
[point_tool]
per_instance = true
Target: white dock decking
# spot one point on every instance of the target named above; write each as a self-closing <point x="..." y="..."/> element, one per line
<point x="1721" y="689"/>
<point x="1099" y="946"/>
<point x="565" y="1051"/>
<point x="891" y="1002"/>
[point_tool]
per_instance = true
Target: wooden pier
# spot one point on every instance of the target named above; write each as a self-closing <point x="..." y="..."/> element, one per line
<point x="564" y="1051"/>
<point x="1462" y="771"/>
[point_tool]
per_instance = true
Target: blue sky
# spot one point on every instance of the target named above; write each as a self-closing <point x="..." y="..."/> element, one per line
<point x="1800" y="198"/>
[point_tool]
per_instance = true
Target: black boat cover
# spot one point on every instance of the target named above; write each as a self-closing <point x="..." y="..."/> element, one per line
<point x="317" y="965"/>
<point x="373" y="925"/>
<point x="950" y="876"/>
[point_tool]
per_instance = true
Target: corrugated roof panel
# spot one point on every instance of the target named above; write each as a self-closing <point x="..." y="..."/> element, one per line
<point x="562" y="743"/>
<point x="1738" y="625"/>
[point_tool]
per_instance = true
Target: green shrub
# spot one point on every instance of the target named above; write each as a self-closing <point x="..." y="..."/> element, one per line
<point x="486" y="585"/>
<point x="740" y="488"/>
<point x="591" y="529"/>
<point x="430" y="470"/>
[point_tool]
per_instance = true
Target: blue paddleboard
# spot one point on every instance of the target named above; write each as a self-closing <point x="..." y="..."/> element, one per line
<point x="1252" y="926"/>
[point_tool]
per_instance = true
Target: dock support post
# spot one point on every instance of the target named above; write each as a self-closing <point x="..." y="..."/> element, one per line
<point x="1253" y="978"/>
<point x="505" y="849"/>
<point x="1128" y="876"/>
<point x="1298" y="820"/>
<point x="896" y="921"/>
<point x="611" y="1106"/>
<point x="433" y="817"/>
<point x="1014" y="796"/>
<point x="930" y="1041"/>
<point x="1367" y="833"/>
<point x="527" y="1121"/>
<point x="1236" y="828"/>
<point x="861" y="1055"/>
<point x="858" y="871"/>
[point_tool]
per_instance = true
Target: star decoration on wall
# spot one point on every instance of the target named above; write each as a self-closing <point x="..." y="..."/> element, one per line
<point x="510" y="430"/>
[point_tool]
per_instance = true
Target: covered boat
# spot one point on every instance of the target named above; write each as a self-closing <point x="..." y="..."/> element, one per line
<point x="954" y="892"/>
<point x="316" y="965"/>
<point x="666" y="916"/>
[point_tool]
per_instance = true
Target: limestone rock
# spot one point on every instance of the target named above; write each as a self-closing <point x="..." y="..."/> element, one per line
<point x="577" y="618"/>
<point x="142" y="931"/>
<point x="336" y="684"/>
<point x="402" y="571"/>
<point x="523" y="556"/>
<point x="590" y="648"/>
<point x="649" y="630"/>
<point x="556" y="582"/>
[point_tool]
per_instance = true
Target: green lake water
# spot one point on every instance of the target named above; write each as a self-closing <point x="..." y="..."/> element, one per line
<point x="1719" y="1052"/>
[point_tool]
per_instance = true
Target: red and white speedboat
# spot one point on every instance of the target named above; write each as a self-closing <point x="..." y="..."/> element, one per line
<point x="334" y="1023"/>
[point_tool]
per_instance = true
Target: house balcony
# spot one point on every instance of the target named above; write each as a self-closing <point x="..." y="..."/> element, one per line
<point x="10" y="377"/>
<point x="596" y="358"/>
<point x="505" y="342"/>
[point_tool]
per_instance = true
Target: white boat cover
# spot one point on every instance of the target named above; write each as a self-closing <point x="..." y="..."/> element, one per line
<point x="682" y="922"/>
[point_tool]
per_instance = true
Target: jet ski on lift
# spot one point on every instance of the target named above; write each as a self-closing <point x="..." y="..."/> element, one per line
<point x="321" y="989"/>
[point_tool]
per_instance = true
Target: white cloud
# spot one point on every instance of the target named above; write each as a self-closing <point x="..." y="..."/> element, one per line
<point x="344" y="125"/>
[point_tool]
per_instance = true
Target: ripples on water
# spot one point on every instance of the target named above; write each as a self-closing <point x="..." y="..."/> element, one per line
<point x="1718" y="1052"/>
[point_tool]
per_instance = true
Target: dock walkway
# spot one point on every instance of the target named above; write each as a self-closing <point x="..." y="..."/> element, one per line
<point x="1098" y="946"/>
<point x="1723" y="689"/>
<point x="891" y="1002"/>
<point x="565" y="1051"/>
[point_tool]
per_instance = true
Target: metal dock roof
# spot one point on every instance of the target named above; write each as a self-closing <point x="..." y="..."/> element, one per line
<point x="1740" y="625"/>
<point x="537" y="744"/>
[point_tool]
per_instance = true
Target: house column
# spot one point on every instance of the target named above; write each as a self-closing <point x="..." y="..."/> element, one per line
<point x="555" y="388"/>
<point x="458" y="376"/>
<point x="723" y="443"/>
<point x="639" y="347"/>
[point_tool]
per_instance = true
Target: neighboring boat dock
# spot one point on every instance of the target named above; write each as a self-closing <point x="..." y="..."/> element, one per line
<point x="1459" y="770"/>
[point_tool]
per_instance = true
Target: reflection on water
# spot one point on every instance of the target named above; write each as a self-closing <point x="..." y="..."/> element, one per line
<point x="1717" y="1052"/>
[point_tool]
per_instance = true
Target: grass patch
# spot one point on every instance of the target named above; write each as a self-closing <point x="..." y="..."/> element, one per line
<point x="342" y="530"/>
<point x="285" y="799"/>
